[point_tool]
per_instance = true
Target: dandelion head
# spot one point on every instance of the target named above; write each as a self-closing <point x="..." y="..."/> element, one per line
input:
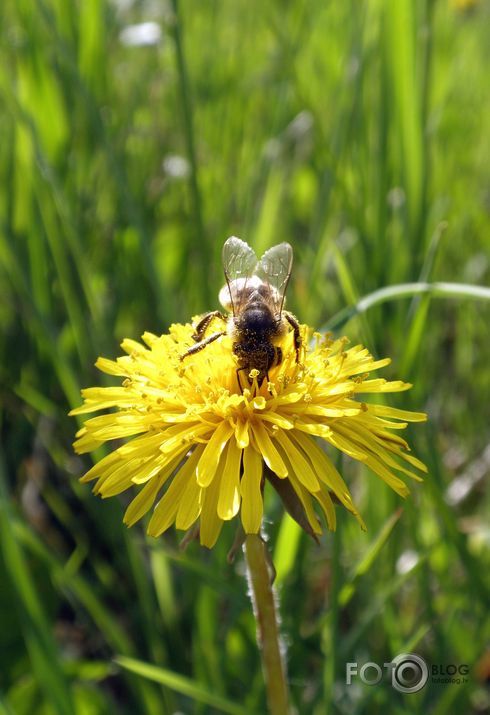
<point x="200" y="448"/>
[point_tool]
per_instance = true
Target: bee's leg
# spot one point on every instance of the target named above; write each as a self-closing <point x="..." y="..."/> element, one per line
<point x="297" y="336"/>
<point x="278" y="356"/>
<point x="238" y="371"/>
<point x="203" y="324"/>
<point x="200" y="346"/>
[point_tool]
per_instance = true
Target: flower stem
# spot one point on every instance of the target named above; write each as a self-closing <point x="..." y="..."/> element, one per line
<point x="273" y="666"/>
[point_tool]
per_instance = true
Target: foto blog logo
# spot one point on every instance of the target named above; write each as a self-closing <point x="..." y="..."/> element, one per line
<point x="408" y="672"/>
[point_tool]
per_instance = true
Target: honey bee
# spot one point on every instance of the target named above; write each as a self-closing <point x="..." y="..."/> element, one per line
<point x="254" y="296"/>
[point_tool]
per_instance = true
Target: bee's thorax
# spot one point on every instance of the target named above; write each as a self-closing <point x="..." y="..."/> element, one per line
<point x="256" y="320"/>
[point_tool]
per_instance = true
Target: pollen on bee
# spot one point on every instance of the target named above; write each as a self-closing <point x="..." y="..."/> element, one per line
<point x="253" y="373"/>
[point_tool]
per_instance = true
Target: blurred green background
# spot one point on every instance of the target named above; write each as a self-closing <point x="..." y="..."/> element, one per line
<point x="356" y="130"/>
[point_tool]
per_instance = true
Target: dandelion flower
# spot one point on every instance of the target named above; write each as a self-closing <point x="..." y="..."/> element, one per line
<point x="202" y="450"/>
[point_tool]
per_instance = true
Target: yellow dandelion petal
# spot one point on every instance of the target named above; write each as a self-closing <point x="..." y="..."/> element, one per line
<point x="252" y="504"/>
<point x="102" y="398"/>
<point x="364" y="438"/>
<point x="100" y="467"/>
<point x="145" y="499"/>
<point x="323" y="498"/>
<point x="381" y="423"/>
<point x="122" y="473"/>
<point x="278" y="420"/>
<point x="386" y="475"/>
<point x="229" y="495"/>
<point x="289" y="398"/>
<point x="335" y="389"/>
<point x="305" y="499"/>
<point x="211" y="524"/>
<point x="331" y="412"/>
<point x="388" y="439"/>
<point x="315" y="428"/>
<point x="353" y="368"/>
<point x="381" y="385"/>
<point x="182" y="434"/>
<point x="111" y="367"/>
<point x="142" y="446"/>
<point x="117" y="426"/>
<point x="400" y="468"/>
<point x="150" y="339"/>
<point x="150" y="468"/>
<point x="298" y="461"/>
<point x="132" y="347"/>
<point x="376" y="364"/>
<point x="241" y="433"/>
<point x="324" y="469"/>
<point x="166" y="510"/>
<point x="269" y="452"/>
<point x="117" y="480"/>
<point x="143" y="469"/>
<point x="190" y="504"/>
<point x="386" y="411"/>
<point x="208" y="463"/>
<point x="413" y="461"/>
<point x="345" y="445"/>
<point x="86" y="442"/>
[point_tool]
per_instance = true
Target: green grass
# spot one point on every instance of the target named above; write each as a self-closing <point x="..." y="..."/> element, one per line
<point x="356" y="131"/>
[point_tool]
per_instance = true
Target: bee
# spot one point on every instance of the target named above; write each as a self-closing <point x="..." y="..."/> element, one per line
<point x="254" y="297"/>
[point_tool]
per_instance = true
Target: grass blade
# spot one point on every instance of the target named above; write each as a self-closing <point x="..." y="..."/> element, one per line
<point x="39" y="641"/>
<point x="182" y="685"/>
<point x="406" y="290"/>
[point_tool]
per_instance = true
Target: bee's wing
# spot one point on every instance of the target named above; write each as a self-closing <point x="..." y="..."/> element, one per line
<point x="274" y="268"/>
<point x="239" y="264"/>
